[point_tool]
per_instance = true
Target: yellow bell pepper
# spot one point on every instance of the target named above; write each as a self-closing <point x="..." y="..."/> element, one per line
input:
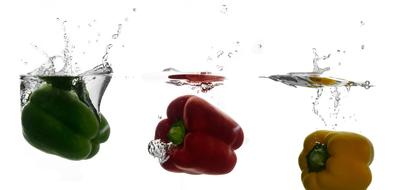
<point x="333" y="160"/>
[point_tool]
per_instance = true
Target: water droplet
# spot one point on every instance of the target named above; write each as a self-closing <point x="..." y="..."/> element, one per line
<point x="220" y="53"/>
<point x="362" y="23"/>
<point x="224" y="9"/>
<point x="115" y="36"/>
<point x="170" y="69"/>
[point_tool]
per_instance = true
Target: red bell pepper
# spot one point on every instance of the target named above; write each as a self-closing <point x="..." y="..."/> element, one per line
<point x="202" y="138"/>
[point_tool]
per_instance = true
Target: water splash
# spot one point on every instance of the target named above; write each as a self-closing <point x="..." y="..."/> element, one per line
<point x="201" y="82"/>
<point x="68" y="68"/>
<point x="315" y="79"/>
<point x="315" y="104"/>
<point x="199" y="87"/>
<point x="335" y="93"/>
<point x="159" y="149"/>
<point x="327" y="106"/>
<point x="316" y="61"/>
<point x="106" y="56"/>
<point x="91" y="83"/>
<point x="336" y="96"/>
<point x="27" y="86"/>
<point x="116" y="35"/>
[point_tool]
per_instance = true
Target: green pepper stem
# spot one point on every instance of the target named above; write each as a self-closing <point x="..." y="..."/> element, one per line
<point x="317" y="157"/>
<point x="177" y="132"/>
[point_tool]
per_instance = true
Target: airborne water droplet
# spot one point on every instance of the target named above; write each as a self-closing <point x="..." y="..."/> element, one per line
<point x="224" y="9"/>
<point x="115" y="36"/>
<point x="220" y="53"/>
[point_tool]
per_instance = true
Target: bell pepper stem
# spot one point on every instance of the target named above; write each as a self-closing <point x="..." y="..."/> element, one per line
<point x="177" y="132"/>
<point x="317" y="157"/>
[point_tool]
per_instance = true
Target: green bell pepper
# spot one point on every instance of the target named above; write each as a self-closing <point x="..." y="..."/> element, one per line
<point x="57" y="121"/>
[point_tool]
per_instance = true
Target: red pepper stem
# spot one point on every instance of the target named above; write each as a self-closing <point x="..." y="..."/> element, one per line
<point x="317" y="157"/>
<point x="177" y="132"/>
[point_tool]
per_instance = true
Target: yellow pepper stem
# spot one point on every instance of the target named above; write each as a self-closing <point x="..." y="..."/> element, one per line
<point x="317" y="157"/>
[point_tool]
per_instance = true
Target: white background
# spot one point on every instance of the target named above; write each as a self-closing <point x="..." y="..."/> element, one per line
<point x="183" y="34"/>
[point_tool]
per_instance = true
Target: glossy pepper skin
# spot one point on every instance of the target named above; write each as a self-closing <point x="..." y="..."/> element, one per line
<point x="334" y="160"/>
<point x="56" y="121"/>
<point x="207" y="141"/>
